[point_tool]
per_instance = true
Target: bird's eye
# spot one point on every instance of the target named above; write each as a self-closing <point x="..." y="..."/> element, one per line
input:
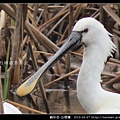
<point x="85" y="30"/>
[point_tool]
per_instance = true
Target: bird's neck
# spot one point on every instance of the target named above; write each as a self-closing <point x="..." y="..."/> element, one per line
<point x="89" y="90"/>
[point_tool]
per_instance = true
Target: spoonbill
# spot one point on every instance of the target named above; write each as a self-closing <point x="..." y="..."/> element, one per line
<point x="97" y="47"/>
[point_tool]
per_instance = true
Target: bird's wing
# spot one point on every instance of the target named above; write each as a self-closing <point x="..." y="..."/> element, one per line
<point x="10" y="109"/>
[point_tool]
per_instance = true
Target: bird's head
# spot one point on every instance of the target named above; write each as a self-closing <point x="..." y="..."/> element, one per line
<point x="92" y="32"/>
<point x="89" y="28"/>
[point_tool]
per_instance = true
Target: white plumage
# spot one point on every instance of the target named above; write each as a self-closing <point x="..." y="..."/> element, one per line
<point x="98" y="46"/>
<point x="10" y="109"/>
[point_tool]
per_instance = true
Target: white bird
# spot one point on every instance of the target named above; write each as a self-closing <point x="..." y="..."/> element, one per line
<point x="10" y="109"/>
<point x="97" y="47"/>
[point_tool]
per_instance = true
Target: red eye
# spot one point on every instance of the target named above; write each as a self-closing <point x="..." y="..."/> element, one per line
<point x="85" y="30"/>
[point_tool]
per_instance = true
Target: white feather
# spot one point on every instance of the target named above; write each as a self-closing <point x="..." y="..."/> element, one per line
<point x="10" y="109"/>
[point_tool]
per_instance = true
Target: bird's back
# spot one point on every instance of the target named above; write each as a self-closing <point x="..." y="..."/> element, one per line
<point x="111" y="104"/>
<point x="108" y="111"/>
